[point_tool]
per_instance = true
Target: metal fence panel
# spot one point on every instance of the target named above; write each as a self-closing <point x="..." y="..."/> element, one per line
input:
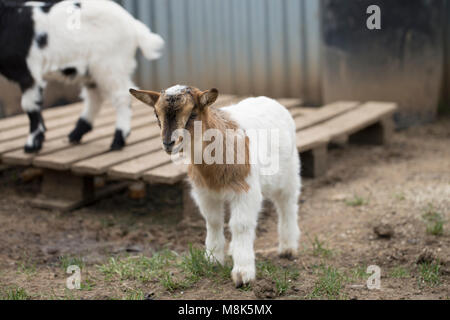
<point x="254" y="47"/>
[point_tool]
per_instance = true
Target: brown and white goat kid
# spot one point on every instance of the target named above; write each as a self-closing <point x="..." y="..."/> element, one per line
<point x="242" y="184"/>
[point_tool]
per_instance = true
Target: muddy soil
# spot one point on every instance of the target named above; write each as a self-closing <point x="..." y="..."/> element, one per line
<point x="371" y="208"/>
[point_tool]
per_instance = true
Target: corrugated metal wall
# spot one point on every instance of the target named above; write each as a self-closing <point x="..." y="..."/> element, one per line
<point x="259" y="47"/>
<point x="444" y="106"/>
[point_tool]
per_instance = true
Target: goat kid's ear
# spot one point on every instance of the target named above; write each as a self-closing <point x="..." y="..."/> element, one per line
<point x="148" y="97"/>
<point x="208" y="97"/>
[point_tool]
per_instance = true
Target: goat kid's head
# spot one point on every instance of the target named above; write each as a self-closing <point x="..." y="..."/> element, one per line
<point x="177" y="108"/>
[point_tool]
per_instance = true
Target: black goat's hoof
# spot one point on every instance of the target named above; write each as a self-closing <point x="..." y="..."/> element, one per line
<point x="38" y="141"/>
<point x="80" y="130"/>
<point x="31" y="149"/>
<point x="118" y="142"/>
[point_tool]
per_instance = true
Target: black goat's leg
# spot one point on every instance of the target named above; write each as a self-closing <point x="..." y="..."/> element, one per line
<point x="32" y="101"/>
<point x="92" y="104"/>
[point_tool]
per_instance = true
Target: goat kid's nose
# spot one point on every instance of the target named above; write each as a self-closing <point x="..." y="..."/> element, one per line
<point x="168" y="144"/>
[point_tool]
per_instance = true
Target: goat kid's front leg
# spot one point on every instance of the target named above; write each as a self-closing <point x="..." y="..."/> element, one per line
<point x="214" y="213"/>
<point x="244" y="217"/>
<point x="32" y="101"/>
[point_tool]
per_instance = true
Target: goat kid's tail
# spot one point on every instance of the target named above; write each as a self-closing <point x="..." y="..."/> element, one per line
<point x="151" y="44"/>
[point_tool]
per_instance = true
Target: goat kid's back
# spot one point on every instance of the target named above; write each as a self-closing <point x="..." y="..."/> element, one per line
<point x="275" y="128"/>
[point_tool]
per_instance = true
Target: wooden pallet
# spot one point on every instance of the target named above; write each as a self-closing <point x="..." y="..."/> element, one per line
<point x="69" y="171"/>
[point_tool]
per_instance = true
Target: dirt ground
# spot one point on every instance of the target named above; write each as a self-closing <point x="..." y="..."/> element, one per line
<point x="386" y="206"/>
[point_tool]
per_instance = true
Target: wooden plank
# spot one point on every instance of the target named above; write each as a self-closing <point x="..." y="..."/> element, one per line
<point x="74" y="109"/>
<point x="57" y="140"/>
<point x="290" y="103"/>
<point x="69" y="121"/>
<point x="52" y="113"/>
<point x="302" y="111"/>
<point x="11" y="145"/>
<point x="59" y="122"/>
<point x="344" y="125"/>
<point x="311" y="138"/>
<point x="63" y="160"/>
<point x="63" y="132"/>
<point x="100" y="164"/>
<point x="135" y="168"/>
<point x="358" y="119"/>
<point x="22" y="131"/>
<point x="169" y="174"/>
<point x="324" y="113"/>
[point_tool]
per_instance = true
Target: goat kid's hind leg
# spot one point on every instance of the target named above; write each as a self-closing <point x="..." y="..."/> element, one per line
<point x="244" y="216"/>
<point x="288" y="230"/>
<point x="122" y="103"/>
<point x="32" y="101"/>
<point x="92" y="104"/>
<point x="214" y="213"/>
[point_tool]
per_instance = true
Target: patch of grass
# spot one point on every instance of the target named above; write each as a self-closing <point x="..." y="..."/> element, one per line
<point x="27" y="268"/>
<point x="15" y="293"/>
<point x="434" y="221"/>
<point x="67" y="261"/>
<point x="319" y="249"/>
<point x="173" y="272"/>
<point x="87" y="285"/>
<point x="26" y="265"/>
<point x="198" y="264"/>
<point x="139" y="268"/>
<point x="135" y="295"/>
<point x="400" y="273"/>
<point x="283" y="277"/>
<point x="430" y="274"/>
<point x="171" y="283"/>
<point x="359" y="273"/>
<point x="356" y="201"/>
<point x="246" y="288"/>
<point x="329" y="285"/>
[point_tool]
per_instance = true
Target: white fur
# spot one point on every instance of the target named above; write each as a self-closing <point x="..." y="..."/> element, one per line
<point x="282" y="188"/>
<point x="100" y="43"/>
<point x="175" y="90"/>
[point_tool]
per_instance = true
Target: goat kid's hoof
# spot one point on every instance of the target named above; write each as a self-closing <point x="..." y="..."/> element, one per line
<point x="80" y="130"/>
<point x="37" y="144"/>
<point x="118" y="142"/>
<point x="288" y="254"/>
<point x="243" y="277"/>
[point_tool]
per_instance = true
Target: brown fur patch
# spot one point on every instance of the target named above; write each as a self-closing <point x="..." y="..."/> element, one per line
<point x="220" y="176"/>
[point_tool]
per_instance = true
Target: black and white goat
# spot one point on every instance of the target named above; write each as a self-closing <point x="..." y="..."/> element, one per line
<point x="88" y="42"/>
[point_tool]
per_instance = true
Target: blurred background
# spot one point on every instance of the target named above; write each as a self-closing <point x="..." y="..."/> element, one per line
<point x="318" y="50"/>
